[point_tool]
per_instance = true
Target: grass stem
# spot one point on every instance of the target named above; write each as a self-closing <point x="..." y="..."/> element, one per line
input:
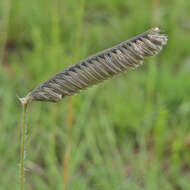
<point x="24" y="102"/>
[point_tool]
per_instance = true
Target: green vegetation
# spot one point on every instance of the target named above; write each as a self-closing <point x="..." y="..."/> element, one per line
<point x="128" y="133"/>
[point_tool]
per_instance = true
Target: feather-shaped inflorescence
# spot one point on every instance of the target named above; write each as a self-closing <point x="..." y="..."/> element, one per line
<point x="100" y="67"/>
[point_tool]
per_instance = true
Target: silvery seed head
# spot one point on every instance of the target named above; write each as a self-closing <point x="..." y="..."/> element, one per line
<point x="97" y="68"/>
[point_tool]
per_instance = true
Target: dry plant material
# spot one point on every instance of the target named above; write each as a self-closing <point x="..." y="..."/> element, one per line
<point x="99" y="67"/>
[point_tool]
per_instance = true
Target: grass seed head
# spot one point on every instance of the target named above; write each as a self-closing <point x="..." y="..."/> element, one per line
<point x="97" y="68"/>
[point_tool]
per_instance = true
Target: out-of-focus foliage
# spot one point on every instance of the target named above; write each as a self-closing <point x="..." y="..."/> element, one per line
<point x="128" y="133"/>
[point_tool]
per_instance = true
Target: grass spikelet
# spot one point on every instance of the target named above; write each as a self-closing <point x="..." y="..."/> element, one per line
<point x="99" y="67"/>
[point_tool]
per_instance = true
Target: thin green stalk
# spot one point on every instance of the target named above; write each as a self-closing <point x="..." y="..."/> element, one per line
<point x="24" y="102"/>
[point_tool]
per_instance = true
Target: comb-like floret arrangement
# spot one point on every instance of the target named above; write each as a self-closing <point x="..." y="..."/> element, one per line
<point x="99" y="67"/>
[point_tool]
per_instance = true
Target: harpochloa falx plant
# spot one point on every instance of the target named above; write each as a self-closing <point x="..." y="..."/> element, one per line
<point x="92" y="70"/>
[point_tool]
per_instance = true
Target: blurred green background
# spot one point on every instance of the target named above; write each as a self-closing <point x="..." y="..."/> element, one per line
<point x="130" y="133"/>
